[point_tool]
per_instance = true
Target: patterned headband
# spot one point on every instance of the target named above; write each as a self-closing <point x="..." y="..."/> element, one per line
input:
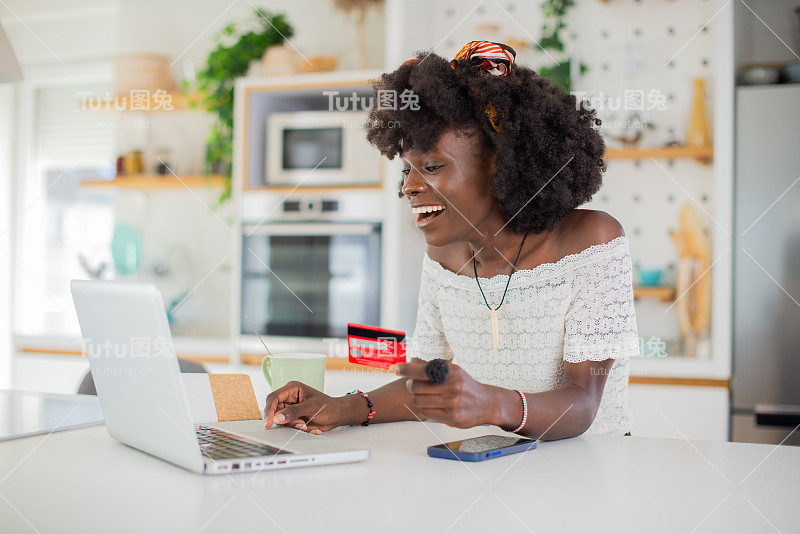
<point x="494" y="58"/>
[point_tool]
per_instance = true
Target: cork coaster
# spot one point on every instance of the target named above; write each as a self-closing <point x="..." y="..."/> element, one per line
<point x="234" y="397"/>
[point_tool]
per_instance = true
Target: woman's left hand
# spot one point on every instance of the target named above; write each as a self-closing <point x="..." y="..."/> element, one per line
<point x="460" y="401"/>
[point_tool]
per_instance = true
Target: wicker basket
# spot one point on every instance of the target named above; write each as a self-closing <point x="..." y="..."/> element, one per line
<point x="142" y="72"/>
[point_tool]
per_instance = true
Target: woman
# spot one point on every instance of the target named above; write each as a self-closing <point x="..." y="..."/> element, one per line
<point x="527" y="297"/>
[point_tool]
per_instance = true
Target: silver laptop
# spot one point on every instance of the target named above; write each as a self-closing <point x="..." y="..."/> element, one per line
<point x="135" y="369"/>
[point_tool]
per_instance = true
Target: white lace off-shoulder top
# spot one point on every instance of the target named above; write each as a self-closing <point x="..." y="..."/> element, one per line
<point x="576" y="309"/>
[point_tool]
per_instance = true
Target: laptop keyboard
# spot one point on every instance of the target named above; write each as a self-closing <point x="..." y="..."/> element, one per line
<point x="220" y="445"/>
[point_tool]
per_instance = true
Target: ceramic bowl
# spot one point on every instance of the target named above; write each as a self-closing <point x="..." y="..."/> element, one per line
<point x="649" y="277"/>
<point x="759" y="75"/>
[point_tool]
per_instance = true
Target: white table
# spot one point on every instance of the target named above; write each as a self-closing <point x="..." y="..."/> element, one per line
<point x="83" y="481"/>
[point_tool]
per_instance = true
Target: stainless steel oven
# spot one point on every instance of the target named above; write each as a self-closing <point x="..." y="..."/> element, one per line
<point x="307" y="273"/>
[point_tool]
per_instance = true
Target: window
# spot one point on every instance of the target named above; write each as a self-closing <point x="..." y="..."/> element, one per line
<point x="63" y="229"/>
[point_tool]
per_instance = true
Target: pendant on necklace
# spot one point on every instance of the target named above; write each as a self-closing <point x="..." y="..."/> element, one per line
<point x="495" y="318"/>
<point x="495" y="330"/>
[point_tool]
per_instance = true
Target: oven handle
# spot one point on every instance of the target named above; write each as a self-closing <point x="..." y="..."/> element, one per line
<point x="310" y="229"/>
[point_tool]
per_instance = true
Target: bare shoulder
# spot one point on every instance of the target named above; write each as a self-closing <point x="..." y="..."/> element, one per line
<point x="582" y="229"/>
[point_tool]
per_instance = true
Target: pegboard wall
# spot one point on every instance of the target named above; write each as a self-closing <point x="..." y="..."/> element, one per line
<point x="657" y="47"/>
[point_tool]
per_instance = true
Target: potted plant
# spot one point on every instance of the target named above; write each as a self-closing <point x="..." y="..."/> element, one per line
<point x="225" y="63"/>
<point x="555" y="14"/>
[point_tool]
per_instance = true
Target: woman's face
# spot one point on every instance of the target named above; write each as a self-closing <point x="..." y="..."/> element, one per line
<point x="449" y="189"/>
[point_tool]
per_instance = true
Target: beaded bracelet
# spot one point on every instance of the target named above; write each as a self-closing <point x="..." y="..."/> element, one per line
<point x="524" y="412"/>
<point x="369" y="405"/>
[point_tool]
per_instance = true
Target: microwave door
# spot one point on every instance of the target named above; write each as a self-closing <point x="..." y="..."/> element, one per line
<point x="305" y="149"/>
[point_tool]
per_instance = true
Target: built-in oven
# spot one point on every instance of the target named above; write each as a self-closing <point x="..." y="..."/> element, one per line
<point x="307" y="272"/>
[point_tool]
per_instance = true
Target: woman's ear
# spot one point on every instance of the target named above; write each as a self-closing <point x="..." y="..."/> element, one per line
<point x="491" y="163"/>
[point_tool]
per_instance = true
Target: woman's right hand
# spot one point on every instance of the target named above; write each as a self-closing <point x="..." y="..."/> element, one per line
<point x="304" y="408"/>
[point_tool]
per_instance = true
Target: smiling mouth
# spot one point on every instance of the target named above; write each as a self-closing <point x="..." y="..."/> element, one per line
<point x="427" y="213"/>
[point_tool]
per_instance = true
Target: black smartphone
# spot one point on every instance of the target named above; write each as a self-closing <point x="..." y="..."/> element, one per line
<point x="481" y="448"/>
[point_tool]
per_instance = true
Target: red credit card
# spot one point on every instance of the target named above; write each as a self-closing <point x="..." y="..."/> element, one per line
<point x="376" y="347"/>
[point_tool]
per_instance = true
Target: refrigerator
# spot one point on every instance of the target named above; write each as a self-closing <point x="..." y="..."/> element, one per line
<point x="765" y="385"/>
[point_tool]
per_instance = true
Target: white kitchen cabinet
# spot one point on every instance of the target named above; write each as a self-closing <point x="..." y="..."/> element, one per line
<point x="679" y="411"/>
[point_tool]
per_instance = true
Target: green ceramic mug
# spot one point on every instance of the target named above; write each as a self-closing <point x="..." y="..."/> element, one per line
<point x="308" y="368"/>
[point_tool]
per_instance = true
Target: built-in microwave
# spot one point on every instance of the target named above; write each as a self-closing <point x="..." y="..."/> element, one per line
<point x="319" y="148"/>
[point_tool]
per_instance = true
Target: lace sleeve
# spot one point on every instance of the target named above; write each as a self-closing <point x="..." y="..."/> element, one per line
<point x="601" y="321"/>
<point x="428" y="341"/>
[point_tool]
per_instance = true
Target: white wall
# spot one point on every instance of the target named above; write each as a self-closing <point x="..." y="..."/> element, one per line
<point x="182" y="29"/>
<point x="7" y="100"/>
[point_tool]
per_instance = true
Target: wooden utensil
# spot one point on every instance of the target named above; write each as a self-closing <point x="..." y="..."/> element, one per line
<point x="684" y="280"/>
<point x="699" y="246"/>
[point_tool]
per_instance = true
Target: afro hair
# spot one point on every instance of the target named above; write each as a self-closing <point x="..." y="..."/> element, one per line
<point x="549" y="154"/>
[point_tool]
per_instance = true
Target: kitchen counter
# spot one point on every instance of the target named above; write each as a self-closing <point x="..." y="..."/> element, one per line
<point x="218" y="350"/>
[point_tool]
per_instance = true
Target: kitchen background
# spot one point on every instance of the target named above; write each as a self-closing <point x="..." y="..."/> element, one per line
<point x="665" y="76"/>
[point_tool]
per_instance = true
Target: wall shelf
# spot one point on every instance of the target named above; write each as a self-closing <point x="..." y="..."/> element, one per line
<point x="158" y="181"/>
<point x="663" y="293"/>
<point x="704" y="155"/>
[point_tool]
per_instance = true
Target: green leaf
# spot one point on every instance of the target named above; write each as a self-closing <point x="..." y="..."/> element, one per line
<point x="558" y="74"/>
<point x="224" y="64"/>
<point x="555" y="13"/>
